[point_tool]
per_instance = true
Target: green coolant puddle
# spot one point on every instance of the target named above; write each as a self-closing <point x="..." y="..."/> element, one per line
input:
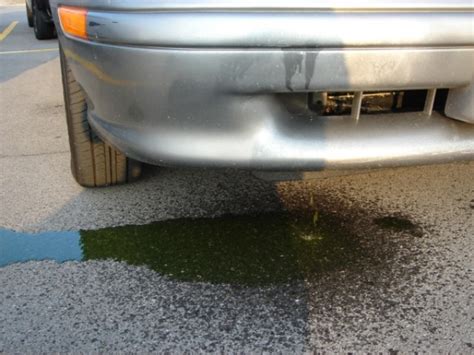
<point x="260" y="249"/>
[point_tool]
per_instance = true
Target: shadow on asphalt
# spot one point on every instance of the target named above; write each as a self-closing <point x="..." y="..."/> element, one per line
<point x="21" y="39"/>
<point x="279" y="239"/>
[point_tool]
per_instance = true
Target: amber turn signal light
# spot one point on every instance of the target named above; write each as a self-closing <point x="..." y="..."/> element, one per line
<point x="73" y="21"/>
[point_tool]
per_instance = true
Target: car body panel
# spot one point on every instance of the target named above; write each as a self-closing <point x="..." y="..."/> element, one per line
<point x="230" y="5"/>
<point x="282" y="29"/>
<point x="207" y="83"/>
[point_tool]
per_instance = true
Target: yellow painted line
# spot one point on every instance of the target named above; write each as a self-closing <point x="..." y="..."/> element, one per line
<point x="8" y="30"/>
<point x="30" y="51"/>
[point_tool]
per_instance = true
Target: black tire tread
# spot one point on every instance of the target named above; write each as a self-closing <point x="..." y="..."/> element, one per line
<point x="94" y="163"/>
<point x="43" y="29"/>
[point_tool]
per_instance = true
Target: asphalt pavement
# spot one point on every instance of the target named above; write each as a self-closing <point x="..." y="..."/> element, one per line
<point x="409" y="287"/>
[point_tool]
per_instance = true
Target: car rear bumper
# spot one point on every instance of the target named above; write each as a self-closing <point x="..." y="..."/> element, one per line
<point x="204" y="84"/>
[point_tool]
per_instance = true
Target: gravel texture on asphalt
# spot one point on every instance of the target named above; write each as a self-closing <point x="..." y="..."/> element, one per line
<point x="109" y="306"/>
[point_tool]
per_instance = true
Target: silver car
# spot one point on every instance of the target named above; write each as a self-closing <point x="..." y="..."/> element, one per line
<point x="265" y="85"/>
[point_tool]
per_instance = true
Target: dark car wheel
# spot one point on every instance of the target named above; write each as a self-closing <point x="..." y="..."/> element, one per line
<point x="44" y="28"/>
<point x="93" y="162"/>
<point x="29" y="16"/>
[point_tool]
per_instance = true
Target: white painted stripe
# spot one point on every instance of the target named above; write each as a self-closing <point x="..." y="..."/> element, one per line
<point x="42" y="50"/>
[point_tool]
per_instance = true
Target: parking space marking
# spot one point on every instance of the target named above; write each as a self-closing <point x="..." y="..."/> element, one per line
<point x="8" y="30"/>
<point x="31" y="51"/>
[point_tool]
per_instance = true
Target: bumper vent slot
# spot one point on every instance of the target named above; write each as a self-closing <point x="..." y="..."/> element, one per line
<point x="364" y="102"/>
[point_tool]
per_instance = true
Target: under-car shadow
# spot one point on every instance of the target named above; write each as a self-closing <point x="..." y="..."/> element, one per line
<point x="14" y="65"/>
<point x="226" y="226"/>
<point x="297" y="246"/>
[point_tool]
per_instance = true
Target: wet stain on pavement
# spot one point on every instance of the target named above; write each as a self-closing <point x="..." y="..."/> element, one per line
<point x="399" y="224"/>
<point x="262" y="249"/>
<point x="249" y="250"/>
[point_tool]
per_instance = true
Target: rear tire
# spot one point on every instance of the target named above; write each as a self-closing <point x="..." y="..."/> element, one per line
<point x="44" y="29"/>
<point x="94" y="163"/>
<point x="29" y="16"/>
